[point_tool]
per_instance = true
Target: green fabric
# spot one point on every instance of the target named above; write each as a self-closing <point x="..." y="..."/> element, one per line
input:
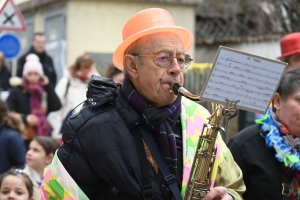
<point x="57" y="188"/>
<point x="261" y="120"/>
<point x="290" y="159"/>
<point x="230" y="176"/>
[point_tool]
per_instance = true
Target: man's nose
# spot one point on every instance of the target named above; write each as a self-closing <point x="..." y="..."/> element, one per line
<point x="174" y="68"/>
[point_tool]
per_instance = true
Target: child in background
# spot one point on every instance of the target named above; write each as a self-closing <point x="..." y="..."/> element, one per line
<point x="12" y="148"/>
<point x="114" y="73"/>
<point x="33" y="97"/>
<point x="39" y="155"/>
<point x="14" y="184"/>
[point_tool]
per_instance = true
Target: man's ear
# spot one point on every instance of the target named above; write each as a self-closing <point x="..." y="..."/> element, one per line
<point x="277" y="101"/>
<point x="130" y="65"/>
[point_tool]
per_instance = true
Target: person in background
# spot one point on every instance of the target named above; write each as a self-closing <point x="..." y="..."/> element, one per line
<point x="104" y="154"/>
<point x="12" y="148"/>
<point x="15" y="185"/>
<point x="114" y="73"/>
<point x="33" y="97"/>
<point x="71" y="90"/>
<point x="290" y="53"/>
<point x="290" y="50"/>
<point x="39" y="155"/>
<point x="38" y="48"/>
<point x="4" y="74"/>
<point x="268" y="152"/>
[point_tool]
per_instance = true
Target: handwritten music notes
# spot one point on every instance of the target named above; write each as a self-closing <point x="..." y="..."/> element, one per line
<point x="236" y="75"/>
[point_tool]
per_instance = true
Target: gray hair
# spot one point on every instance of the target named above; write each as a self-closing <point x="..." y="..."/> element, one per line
<point x="289" y="84"/>
<point x="132" y="49"/>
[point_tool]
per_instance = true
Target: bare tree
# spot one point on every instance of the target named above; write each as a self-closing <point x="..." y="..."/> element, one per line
<point x="235" y="20"/>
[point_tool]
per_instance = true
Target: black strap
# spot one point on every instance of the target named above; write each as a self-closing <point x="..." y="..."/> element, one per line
<point x="144" y="165"/>
<point x="286" y="185"/>
<point x="67" y="88"/>
<point x="168" y="176"/>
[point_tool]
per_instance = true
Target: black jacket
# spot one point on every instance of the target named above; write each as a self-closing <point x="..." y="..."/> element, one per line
<point x="46" y="61"/>
<point x="99" y="150"/>
<point x="4" y="78"/>
<point x="18" y="100"/>
<point x="261" y="170"/>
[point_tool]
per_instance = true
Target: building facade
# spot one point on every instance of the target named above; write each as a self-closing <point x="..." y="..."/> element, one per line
<point x="74" y="27"/>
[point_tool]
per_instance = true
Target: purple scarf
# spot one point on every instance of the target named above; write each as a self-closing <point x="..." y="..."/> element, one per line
<point x="159" y="120"/>
<point x="36" y="91"/>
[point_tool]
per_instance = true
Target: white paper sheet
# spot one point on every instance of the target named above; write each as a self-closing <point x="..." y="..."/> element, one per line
<point x="249" y="78"/>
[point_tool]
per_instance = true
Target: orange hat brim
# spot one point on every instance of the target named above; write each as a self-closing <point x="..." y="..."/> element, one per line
<point x="186" y="36"/>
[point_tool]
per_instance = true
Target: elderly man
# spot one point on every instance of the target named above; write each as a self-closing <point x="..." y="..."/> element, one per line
<point x="138" y="140"/>
<point x="290" y="50"/>
<point x="38" y="48"/>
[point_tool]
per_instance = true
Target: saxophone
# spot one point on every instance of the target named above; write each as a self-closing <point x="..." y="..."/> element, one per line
<point x="200" y="177"/>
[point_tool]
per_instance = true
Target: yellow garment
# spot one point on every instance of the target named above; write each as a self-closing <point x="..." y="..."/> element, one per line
<point x="230" y="176"/>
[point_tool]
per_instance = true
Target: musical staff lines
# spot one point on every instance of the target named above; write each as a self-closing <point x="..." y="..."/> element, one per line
<point x="248" y="77"/>
<point x="254" y="102"/>
<point x="219" y="90"/>
<point x="253" y="67"/>
<point x="244" y="77"/>
<point x="219" y="79"/>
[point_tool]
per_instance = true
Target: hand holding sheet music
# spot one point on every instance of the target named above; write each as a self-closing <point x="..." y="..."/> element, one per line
<point x="237" y="75"/>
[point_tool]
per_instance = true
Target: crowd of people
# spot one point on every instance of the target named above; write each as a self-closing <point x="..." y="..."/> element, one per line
<point x="33" y="114"/>
<point x="124" y="135"/>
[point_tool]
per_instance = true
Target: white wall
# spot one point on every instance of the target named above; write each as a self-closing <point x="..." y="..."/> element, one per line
<point x="96" y="26"/>
<point x="269" y="49"/>
<point x="17" y="2"/>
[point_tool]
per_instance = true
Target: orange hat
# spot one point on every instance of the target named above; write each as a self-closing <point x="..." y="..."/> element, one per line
<point x="145" y="22"/>
<point x="290" y="44"/>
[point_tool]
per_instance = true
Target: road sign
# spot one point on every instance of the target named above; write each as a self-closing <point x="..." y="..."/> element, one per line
<point x="11" y="17"/>
<point x="10" y="45"/>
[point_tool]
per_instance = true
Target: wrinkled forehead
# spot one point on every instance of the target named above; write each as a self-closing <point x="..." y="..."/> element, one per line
<point x="163" y="40"/>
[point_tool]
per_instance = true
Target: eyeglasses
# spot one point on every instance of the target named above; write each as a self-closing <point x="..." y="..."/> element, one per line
<point x="164" y="59"/>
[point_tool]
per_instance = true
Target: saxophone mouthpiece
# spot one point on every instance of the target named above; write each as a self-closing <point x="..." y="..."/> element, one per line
<point x="181" y="91"/>
<point x="175" y="88"/>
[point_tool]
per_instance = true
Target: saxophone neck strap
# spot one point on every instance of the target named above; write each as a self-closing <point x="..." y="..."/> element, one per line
<point x="148" y="193"/>
<point x="168" y="176"/>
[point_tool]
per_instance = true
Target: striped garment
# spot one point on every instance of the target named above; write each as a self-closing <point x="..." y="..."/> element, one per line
<point x="193" y="118"/>
<point x="59" y="185"/>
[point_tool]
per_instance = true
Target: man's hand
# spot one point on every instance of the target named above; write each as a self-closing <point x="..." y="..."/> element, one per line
<point x="218" y="193"/>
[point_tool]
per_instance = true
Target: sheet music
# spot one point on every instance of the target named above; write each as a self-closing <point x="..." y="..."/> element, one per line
<point x="237" y="75"/>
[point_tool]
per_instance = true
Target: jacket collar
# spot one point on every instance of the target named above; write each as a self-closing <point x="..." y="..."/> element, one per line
<point x="102" y="90"/>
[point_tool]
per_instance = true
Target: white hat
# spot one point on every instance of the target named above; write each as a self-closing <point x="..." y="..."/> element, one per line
<point x="33" y="64"/>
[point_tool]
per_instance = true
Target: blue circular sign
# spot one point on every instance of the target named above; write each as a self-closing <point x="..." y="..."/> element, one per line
<point x="10" y="45"/>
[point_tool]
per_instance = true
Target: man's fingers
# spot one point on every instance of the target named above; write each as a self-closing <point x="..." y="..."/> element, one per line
<point x="218" y="193"/>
